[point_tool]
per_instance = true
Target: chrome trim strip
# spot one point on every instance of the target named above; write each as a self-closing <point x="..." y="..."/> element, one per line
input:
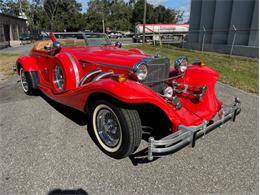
<point x="87" y="76"/>
<point x="104" y="64"/>
<point x="75" y="67"/>
<point x="102" y="75"/>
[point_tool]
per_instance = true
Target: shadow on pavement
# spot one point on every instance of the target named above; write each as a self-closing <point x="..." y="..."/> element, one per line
<point x="83" y="119"/>
<point x="75" y="115"/>
<point x="67" y="192"/>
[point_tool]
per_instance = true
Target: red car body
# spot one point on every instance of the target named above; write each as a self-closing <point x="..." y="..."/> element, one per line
<point x="80" y="61"/>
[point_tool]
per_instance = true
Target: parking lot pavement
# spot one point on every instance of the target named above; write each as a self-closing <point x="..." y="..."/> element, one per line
<point x="22" y="49"/>
<point x="46" y="147"/>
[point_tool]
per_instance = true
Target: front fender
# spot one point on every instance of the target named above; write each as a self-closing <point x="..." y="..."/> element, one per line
<point x="28" y="63"/>
<point x="128" y="92"/>
<point x="208" y="105"/>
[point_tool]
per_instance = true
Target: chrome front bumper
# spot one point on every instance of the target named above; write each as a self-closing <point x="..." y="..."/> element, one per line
<point x="188" y="135"/>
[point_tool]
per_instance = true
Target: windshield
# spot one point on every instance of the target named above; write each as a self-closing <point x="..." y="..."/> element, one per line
<point x="97" y="39"/>
<point x="80" y="39"/>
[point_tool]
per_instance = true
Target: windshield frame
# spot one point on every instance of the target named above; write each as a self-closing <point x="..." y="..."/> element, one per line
<point x="84" y="35"/>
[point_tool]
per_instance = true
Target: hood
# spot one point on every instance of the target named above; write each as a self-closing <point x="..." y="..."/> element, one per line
<point x="107" y="55"/>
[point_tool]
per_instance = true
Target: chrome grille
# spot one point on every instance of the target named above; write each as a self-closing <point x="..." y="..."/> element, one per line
<point x="158" y="70"/>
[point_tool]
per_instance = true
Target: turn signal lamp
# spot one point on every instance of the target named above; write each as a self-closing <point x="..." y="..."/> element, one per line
<point x="120" y="78"/>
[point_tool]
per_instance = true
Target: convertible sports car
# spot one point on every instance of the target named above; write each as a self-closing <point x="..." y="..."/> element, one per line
<point x="127" y="93"/>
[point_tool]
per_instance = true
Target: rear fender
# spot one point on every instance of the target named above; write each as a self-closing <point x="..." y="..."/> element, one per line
<point x="28" y="63"/>
<point x="72" y="71"/>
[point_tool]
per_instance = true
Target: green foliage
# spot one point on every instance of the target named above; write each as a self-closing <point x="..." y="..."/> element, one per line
<point x="66" y="15"/>
<point x="11" y="7"/>
<point x="115" y="13"/>
<point x="63" y="15"/>
<point x="159" y="14"/>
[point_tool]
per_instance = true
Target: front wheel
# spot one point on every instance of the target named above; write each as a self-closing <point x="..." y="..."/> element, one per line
<point x="117" y="130"/>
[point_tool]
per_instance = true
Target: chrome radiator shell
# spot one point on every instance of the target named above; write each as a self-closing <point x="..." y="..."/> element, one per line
<point x="158" y="71"/>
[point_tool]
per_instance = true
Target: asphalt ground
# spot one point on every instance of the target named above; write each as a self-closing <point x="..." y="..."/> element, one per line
<point x="46" y="149"/>
<point x="21" y="49"/>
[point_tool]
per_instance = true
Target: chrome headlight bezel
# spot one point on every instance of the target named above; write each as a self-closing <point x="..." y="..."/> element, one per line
<point x="141" y="71"/>
<point x="181" y="64"/>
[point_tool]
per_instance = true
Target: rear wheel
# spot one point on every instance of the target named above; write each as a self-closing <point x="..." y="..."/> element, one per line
<point x="117" y="130"/>
<point x="26" y="83"/>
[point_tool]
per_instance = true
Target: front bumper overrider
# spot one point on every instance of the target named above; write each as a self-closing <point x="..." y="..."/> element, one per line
<point x="188" y="135"/>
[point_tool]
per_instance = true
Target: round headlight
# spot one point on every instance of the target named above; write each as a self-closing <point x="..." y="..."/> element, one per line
<point x="59" y="77"/>
<point x="181" y="64"/>
<point x="168" y="92"/>
<point x="141" y="72"/>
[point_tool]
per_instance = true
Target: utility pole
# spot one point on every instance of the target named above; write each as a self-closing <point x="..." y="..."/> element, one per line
<point x="20" y="7"/>
<point x="103" y="17"/>
<point x="103" y="24"/>
<point x="144" y="21"/>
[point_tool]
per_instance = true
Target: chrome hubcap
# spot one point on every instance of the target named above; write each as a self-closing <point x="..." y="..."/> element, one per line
<point x="23" y="80"/>
<point x="108" y="127"/>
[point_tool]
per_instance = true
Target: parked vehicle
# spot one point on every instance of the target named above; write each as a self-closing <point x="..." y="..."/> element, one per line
<point x="155" y="32"/>
<point x="126" y="92"/>
<point x="25" y="37"/>
<point x="30" y="37"/>
<point x="114" y="35"/>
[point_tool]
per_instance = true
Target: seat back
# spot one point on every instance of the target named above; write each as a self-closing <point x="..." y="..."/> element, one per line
<point x="39" y="46"/>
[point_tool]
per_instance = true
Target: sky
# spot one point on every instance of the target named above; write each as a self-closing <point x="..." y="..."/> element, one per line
<point x="176" y="4"/>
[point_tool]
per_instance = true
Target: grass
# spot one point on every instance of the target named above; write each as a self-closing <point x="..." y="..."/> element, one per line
<point x="6" y="63"/>
<point x="240" y="72"/>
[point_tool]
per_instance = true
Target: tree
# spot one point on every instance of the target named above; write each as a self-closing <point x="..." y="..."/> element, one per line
<point x="51" y="8"/>
<point x="159" y="14"/>
<point x="138" y="11"/>
<point x="95" y="14"/>
<point x="12" y="7"/>
<point x="116" y="14"/>
<point x="119" y="16"/>
<point x="63" y="15"/>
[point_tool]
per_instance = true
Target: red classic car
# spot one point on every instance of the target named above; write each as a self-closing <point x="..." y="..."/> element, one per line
<point x="126" y="92"/>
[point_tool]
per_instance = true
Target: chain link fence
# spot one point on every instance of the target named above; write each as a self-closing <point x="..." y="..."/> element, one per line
<point x="233" y="41"/>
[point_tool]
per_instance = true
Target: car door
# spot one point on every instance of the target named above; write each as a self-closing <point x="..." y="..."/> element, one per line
<point x="42" y="56"/>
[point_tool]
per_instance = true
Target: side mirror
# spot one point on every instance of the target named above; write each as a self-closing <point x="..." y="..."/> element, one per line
<point x="56" y="45"/>
<point x="118" y="44"/>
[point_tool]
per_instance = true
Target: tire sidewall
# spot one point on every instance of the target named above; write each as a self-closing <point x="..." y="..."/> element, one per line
<point x="124" y="142"/>
<point x="94" y="120"/>
<point x="24" y="90"/>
